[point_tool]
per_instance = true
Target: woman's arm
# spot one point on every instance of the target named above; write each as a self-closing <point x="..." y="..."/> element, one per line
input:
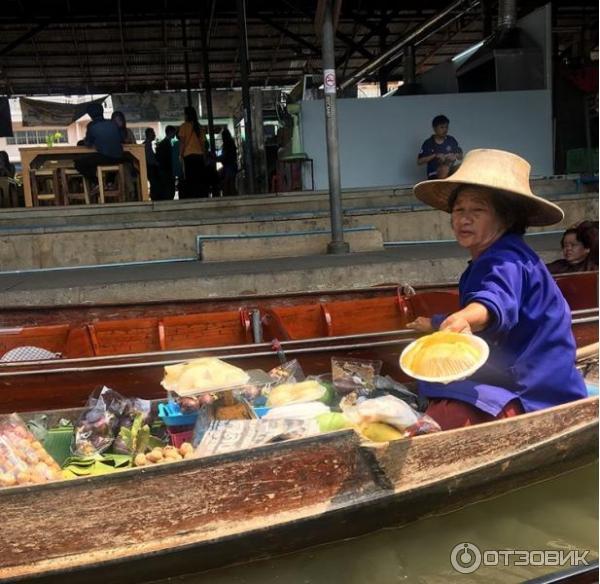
<point x="472" y="318"/>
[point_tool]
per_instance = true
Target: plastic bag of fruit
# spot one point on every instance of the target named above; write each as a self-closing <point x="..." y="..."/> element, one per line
<point x="97" y="427"/>
<point x="23" y="460"/>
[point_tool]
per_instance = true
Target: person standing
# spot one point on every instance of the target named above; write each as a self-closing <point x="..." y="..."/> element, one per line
<point x="164" y="157"/>
<point x="192" y="149"/>
<point x="440" y="152"/>
<point x="152" y="165"/>
<point x="228" y="158"/>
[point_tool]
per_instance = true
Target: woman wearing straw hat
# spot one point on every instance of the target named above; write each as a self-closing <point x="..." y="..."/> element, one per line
<point x="507" y="296"/>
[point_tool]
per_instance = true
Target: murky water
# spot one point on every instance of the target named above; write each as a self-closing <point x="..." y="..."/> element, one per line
<point x="561" y="514"/>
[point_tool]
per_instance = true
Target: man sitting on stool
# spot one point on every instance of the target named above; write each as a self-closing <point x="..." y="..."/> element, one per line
<point x="105" y="137"/>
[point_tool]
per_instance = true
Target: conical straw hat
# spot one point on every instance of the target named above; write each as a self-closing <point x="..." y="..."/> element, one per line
<point x="501" y="171"/>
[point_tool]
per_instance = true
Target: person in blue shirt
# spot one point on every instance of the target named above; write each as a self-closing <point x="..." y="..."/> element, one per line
<point x="507" y="296"/>
<point x="103" y="135"/>
<point x="440" y="152"/>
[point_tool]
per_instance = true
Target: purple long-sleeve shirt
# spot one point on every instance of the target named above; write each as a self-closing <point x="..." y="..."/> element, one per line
<point x="532" y="349"/>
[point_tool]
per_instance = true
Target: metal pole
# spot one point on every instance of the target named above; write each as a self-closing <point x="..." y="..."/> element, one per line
<point x="248" y="142"/>
<point x="383" y="72"/>
<point x="337" y="245"/>
<point x="186" y="63"/>
<point x="409" y="65"/>
<point x="207" y="85"/>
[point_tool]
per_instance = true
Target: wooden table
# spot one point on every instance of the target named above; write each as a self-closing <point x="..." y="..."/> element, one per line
<point x="29" y="155"/>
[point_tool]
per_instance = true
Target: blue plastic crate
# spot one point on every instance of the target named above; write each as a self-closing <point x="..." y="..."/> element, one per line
<point x="171" y="415"/>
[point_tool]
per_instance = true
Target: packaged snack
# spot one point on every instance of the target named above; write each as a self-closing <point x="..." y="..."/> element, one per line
<point x="304" y="411"/>
<point x="201" y="376"/>
<point x="23" y="460"/>
<point x="386" y="418"/>
<point x="294" y="393"/>
<point x="288" y="372"/>
<point x="97" y="427"/>
<point x="350" y="375"/>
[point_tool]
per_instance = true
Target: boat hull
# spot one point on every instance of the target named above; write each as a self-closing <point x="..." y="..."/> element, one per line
<point x="195" y="515"/>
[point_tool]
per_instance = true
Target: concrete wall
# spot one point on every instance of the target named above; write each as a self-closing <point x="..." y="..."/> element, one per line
<point x="379" y="138"/>
<point x="81" y="246"/>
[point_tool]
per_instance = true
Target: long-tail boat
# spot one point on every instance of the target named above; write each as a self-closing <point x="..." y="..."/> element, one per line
<point x="107" y="330"/>
<point x="53" y="384"/>
<point x="155" y="522"/>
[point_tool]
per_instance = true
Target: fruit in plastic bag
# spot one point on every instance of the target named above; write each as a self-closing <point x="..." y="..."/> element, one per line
<point x="201" y="375"/>
<point x="23" y="460"/>
<point x="379" y="432"/>
<point x="293" y="393"/>
<point x="357" y="375"/>
<point x="332" y="421"/>
<point x="302" y="411"/>
<point x="388" y="409"/>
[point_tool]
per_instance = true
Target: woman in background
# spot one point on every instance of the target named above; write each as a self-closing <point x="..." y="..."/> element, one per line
<point x="228" y="159"/>
<point x="580" y="250"/>
<point x="192" y="149"/>
<point x="127" y="136"/>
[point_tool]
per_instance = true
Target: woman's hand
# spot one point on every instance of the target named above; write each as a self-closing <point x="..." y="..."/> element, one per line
<point x="421" y="324"/>
<point x="456" y="323"/>
<point x="474" y="317"/>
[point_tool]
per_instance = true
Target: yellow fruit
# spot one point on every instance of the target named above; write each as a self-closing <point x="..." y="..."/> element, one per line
<point x="380" y="432"/>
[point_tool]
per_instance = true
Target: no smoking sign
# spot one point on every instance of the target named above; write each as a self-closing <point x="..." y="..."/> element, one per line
<point x="329" y="80"/>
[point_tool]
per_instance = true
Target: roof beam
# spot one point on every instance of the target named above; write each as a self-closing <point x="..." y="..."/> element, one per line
<point x="422" y="30"/>
<point x="288" y="33"/>
<point x="25" y="37"/>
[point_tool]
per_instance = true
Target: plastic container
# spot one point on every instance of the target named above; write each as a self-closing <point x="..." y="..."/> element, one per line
<point x="261" y="411"/>
<point x="178" y="438"/>
<point x="477" y="342"/>
<point x="171" y="415"/>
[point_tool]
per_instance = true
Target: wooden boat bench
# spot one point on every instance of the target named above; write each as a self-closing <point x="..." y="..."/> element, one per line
<point x="114" y="337"/>
<point x="434" y="302"/>
<point x="212" y="329"/>
<point x="337" y="318"/>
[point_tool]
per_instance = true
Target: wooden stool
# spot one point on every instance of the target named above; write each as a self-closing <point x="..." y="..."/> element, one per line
<point x="45" y="187"/>
<point x="117" y="191"/>
<point x="70" y="176"/>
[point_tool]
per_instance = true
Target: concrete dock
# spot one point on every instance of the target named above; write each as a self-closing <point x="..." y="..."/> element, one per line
<point x="411" y="263"/>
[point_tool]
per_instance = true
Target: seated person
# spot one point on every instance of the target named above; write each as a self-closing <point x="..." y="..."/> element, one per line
<point x="507" y="296"/>
<point x="579" y="246"/>
<point x="105" y="137"/>
<point x="440" y="151"/>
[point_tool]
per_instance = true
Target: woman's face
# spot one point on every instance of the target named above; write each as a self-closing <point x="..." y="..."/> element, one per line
<point x="573" y="250"/>
<point x="475" y="223"/>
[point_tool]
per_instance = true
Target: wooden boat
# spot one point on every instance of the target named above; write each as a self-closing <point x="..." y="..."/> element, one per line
<point x="89" y="331"/>
<point x="144" y="524"/>
<point x="54" y="384"/>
